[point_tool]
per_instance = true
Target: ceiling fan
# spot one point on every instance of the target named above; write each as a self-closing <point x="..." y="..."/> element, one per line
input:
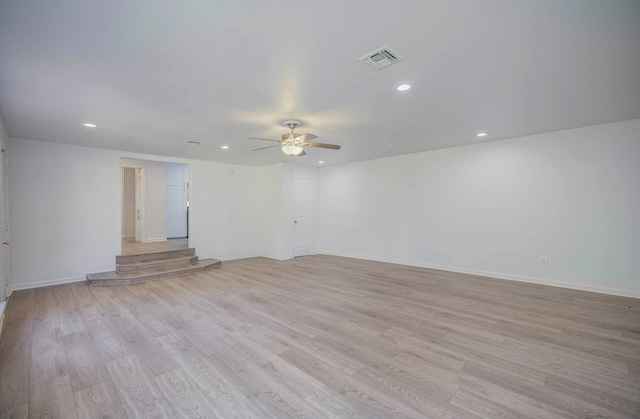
<point x="293" y="144"/>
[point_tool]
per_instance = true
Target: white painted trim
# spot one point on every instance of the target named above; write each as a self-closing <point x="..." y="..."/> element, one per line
<point x="47" y="283"/>
<point x="496" y="275"/>
<point x="277" y="257"/>
<point x="158" y="239"/>
<point x="129" y="236"/>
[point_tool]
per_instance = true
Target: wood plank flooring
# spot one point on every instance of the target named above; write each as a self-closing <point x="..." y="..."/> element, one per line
<point x="132" y="247"/>
<point x="319" y="336"/>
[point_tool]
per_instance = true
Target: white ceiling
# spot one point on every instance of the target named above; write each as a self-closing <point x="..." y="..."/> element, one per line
<point x="154" y="73"/>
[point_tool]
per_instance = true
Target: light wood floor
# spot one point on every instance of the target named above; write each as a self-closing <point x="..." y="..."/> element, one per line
<point x="132" y="247"/>
<point x="319" y="336"/>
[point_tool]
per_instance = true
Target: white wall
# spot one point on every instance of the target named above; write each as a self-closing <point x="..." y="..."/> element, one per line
<point x="65" y="205"/>
<point x="156" y="210"/>
<point x="491" y="208"/>
<point x="495" y="208"/>
<point x="271" y="220"/>
<point x="226" y="210"/>
<point x="67" y="202"/>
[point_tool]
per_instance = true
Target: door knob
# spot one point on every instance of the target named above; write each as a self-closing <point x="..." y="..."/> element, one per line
<point x="6" y="242"/>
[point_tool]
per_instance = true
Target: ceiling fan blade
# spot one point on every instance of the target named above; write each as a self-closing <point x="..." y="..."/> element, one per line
<point x="321" y="145"/>
<point x="301" y="137"/>
<point x="303" y="153"/>
<point x="306" y="137"/>
<point x="264" y="148"/>
<point x="262" y="139"/>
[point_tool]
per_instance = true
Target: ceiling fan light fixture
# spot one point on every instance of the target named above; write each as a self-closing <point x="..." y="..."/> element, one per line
<point x="291" y="149"/>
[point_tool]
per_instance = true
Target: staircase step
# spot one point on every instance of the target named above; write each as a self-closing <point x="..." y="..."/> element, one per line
<point x="167" y="254"/>
<point x="146" y="265"/>
<point x="108" y="278"/>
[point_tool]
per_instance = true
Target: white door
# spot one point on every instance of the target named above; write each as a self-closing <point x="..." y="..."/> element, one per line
<point x="4" y="229"/>
<point x="302" y="203"/>
<point x="177" y="181"/>
<point x="176" y="211"/>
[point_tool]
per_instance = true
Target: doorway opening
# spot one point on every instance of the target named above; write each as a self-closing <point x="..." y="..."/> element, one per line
<point x="155" y="206"/>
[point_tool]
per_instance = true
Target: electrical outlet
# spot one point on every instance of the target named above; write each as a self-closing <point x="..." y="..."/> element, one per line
<point x="544" y="261"/>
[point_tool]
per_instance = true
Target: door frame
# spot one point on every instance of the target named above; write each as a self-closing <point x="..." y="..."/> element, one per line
<point x="191" y="195"/>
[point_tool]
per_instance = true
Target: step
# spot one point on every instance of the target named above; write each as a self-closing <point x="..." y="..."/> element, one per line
<point x="108" y="278"/>
<point x="156" y="263"/>
<point x="167" y="254"/>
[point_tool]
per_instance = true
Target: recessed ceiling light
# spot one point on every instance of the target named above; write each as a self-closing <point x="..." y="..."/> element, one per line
<point x="403" y="87"/>
<point x="320" y="161"/>
<point x="225" y="147"/>
<point x="193" y="142"/>
<point x="90" y="125"/>
<point x="481" y="134"/>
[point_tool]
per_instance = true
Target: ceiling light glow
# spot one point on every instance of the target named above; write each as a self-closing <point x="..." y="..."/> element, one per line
<point x="320" y="161"/>
<point x="403" y="87"/>
<point x="291" y="149"/>
<point x="90" y="125"/>
<point x="225" y="147"/>
<point x="482" y="134"/>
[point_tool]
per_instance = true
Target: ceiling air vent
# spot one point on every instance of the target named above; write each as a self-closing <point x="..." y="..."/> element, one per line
<point x="381" y="58"/>
<point x="193" y="142"/>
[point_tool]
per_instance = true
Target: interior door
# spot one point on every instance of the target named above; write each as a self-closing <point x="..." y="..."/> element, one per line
<point x="177" y="176"/>
<point x="302" y="226"/>
<point x="176" y="211"/>
<point x="4" y="229"/>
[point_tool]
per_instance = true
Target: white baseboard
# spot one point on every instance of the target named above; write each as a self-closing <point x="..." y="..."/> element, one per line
<point x="158" y="239"/>
<point x="128" y="236"/>
<point x="47" y="283"/>
<point x="497" y="275"/>
<point x="277" y="257"/>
